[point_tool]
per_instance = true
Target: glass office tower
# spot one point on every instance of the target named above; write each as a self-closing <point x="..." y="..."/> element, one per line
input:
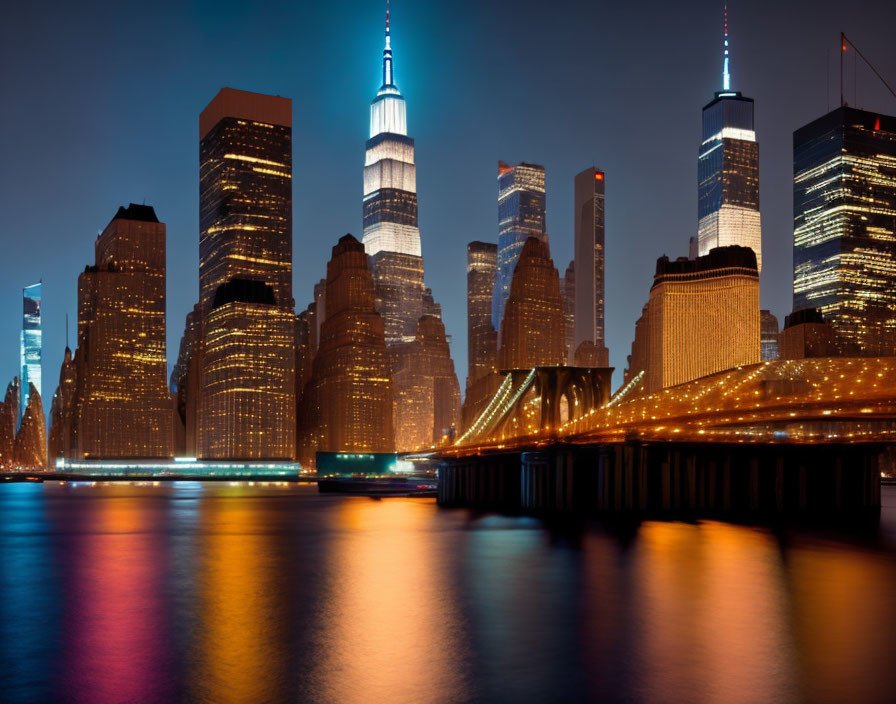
<point x="521" y="214"/>
<point x="589" y="269"/>
<point x="844" y="218"/>
<point x="31" y="344"/>
<point x="728" y="172"/>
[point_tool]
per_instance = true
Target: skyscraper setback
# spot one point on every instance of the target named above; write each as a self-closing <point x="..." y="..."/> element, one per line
<point x="521" y="214"/>
<point x="235" y="375"/>
<point x="844" y="217"/>
<point x="728" y="171"/>
<point x="31" y="341"/>
<point x="589" y="346"/>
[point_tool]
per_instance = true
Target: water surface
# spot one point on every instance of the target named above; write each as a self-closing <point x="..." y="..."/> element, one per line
<point x="214" y="593"/>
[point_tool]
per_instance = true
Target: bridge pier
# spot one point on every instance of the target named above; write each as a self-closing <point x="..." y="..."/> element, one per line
<point x="668" y="479"/>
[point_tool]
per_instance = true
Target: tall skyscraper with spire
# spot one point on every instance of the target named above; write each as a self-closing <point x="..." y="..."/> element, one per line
<point x="391" y="236"/>
<point x="728" y="170"/>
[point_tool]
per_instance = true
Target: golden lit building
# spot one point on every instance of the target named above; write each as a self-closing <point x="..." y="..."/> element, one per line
<point x="9" y="418"/>
<point x="427" y="395"/>
<point x="121" y="407"/>
<point x="31" y="440"/>
<point x="533" y="329"/>
<point x="482" y="339"/>
<point x="248" y="375"/>
<point x="347" y="403"/>
<point x="702" y="317"/>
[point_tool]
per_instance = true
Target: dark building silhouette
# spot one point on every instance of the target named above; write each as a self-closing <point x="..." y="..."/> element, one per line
<point x="347" y="404"/>
<point x="844" y="217"/>
<point x="534" y="324"/>
<point x="61" y="411"/>
<point x="589" y="342"/>
<point x="807" y="334"/>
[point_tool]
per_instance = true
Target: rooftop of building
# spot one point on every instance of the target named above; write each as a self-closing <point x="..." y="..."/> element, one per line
<point x="719" y="258"/>
<point x="141" y="213"/>
<point x="803" y="316"/>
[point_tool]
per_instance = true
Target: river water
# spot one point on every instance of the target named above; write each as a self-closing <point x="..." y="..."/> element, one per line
<point x="216" y="593"/>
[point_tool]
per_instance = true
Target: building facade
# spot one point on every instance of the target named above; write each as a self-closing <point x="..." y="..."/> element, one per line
<point x="235" y="376"/>
<point x="807" y="334"/>
<point x="768" y="336"/>
<point x="30" y="342"/>
<point x="844" y="234"/>
<point x="589" y="326"/>
<point x="121" y="406"/>
<point x="702" y="317"/>
<point x="482" y="339"/>
<point x="347" y="404"/>
<point x="521" y="214"/>
<point x="728" y="172"/>
<point x="533" y="330"/>
<point x="568" y="291"/>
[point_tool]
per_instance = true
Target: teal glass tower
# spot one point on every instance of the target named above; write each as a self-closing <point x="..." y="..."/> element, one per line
<point x="31" y="343"/>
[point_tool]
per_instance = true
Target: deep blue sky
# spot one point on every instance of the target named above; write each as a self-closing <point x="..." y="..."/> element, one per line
<point x="101" y="103"/>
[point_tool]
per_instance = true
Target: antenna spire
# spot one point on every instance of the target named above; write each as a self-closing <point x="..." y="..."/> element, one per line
<point x="387" y="53"/>
<point x="726" y="75"/>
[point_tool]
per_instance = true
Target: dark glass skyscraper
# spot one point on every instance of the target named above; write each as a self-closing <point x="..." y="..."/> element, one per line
<point x="728" y="172"/>
<point x="482" y="339"/>
<point x="521" y="214"/>
<point x="844" y="218"/>
<point x="31" y="343"/>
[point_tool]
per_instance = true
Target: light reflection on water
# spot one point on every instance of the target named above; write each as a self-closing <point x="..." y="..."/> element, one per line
<point x="207" y="592"/>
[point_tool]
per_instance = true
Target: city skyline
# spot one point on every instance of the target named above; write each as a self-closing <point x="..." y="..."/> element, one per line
<point x="445" y="240"/>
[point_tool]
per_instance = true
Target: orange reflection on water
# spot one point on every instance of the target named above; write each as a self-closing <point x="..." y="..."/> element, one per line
<point x="714" y="626"/>
<point x="384" y="624"/>
<point x="239" y="640"/>
<point x="116" y="637"/>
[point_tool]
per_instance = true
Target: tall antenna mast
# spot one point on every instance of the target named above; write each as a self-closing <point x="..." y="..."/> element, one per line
<point x="726" y="76"/>
<point x="844" y="40"/>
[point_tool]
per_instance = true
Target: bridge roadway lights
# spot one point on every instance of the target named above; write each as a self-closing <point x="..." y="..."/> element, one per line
<point x="667" y="478"/>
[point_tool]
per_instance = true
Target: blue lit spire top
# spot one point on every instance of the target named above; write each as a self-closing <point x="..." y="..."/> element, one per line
<point x="726" y="76"/>
<point x="387" y="111"/>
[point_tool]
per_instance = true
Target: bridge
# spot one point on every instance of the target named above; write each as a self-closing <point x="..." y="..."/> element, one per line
<point x="776" y="436"/>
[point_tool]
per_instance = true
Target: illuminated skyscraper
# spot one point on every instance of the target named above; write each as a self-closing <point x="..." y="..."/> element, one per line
<point x="121" y="407"/>
<point x="568" y="292"/>
<point x="702" y="317"/>
<point x="391" y="236"/>
<point x="844" y="217"/>
<point x="245" y="193"/>
<point x="248" y="375"/>
<point x="589" y="270"/>
<point x="534" y="324"/>
<point x="347" y="403"/>
<point x="235" y="375"/>
<point x="31" y="344"/>
<point x="482" y="339"/>
<point x="728" y="172"/>
<point x="521" y="214"/>
<point x="31" y="440"/>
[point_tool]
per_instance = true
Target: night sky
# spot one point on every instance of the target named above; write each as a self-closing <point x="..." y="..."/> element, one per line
<point x="101" y="103"/>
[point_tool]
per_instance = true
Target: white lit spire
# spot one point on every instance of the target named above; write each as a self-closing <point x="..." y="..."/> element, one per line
<point x="726" y="76"/>
<point x="387" y="53"/>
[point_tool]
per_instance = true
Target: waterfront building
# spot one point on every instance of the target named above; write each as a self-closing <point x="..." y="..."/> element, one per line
<point x="31" y="440"/>
<point x="521" y="214"/>
<point x="9" y="421"/>
<point x="533" y="327"/>
<point x="30" y="341"/>
<point x="237" y="356"/>
<point x="702" y="317"/>
<point x="391" y="236"/>
<point x="347" y="404"/>
<point x="807" y="334"/>
<point x="248" y="375"/>
<point x="768" y="336"/>
<point x="482" y="339"/>
<point x="59" y="441"/>
<point x="121" y="406"/>
<point x="728" y="171"/>
<point x="589" y="346"/>
<point x="427" y="395"/>
<point x="844" y="216"/>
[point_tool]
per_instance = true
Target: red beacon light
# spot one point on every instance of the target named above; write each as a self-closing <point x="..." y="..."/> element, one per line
<point x="598" y="175"/>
